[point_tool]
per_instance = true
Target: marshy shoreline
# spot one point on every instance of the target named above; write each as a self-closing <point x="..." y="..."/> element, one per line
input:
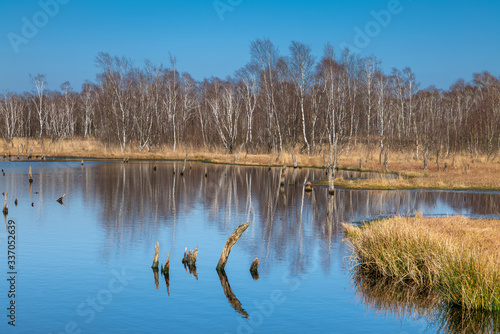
<point x="455" y="257"/>
<point x="463" y="171"/>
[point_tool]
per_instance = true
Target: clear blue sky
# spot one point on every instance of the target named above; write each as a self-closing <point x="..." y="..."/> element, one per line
<point x="440" y="40"/>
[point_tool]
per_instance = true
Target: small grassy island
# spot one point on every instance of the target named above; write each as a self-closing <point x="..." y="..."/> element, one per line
<point x="457" y="257"/>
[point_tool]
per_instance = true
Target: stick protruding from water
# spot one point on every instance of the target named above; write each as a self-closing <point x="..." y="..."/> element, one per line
<point x="184" y="165"/>
<point x="60" y="199"/>
<point x="229" y="244"/>
<point x="5" y="206"/>
<point x="254" y="269"/>
<point x="157" y="254"/>
<point x="30" y="176"/>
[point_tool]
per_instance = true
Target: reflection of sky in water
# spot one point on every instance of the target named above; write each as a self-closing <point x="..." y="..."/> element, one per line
<point x="114" y="213"/>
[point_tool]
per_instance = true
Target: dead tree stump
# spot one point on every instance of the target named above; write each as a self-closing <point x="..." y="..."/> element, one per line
<point x="229" y="244"/>
<point x="254" y="269"/>
<point x="60" y="199"/>
<point x="165" y="270"/>
<point x="30" y="176"/>
<point x="184" y="165"/>
<point x="157" y="254"/>
<point x="308" y="187"/>
<point x="190" y="258"/>
<point x="5" y="206"/>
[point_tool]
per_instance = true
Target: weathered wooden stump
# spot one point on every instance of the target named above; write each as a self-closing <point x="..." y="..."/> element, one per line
<point x="308" y="187"/>
<point x="282" y="180"/>
<point x="5" y="206"/>
<point x="60" y="199"/>
<point x="190" y="258"/>
<point x="229" y="244"/>
<point x="30" y="176"/>
<point x="184" y="165"/>
<point x="157" y="254"/>
<point x="82" y="162"/>
<point x="254" y="269"/>
<point x="165" y="270"/>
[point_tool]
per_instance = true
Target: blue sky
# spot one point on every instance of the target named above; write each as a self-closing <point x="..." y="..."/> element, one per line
<point x="440" y="40"/>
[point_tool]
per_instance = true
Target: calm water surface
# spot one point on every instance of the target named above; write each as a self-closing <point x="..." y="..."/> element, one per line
<point x="86" y="265"/>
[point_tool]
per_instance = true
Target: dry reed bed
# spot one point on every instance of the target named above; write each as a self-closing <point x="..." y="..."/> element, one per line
<point x="457" y="257"/>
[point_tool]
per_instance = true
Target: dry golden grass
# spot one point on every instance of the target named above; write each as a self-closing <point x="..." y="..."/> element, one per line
<point x="456" y="256"/>
<point x="481" y="174"/>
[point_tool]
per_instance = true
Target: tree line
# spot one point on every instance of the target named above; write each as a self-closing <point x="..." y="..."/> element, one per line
<point x="274" y="103"/>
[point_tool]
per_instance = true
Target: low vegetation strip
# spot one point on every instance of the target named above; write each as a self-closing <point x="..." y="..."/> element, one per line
<point x="457" y="257"/>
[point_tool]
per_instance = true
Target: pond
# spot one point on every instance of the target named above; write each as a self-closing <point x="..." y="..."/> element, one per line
<point x="84" y="266"/>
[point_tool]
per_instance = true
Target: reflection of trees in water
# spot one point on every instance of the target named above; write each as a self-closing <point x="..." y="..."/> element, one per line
<point x="289" y="225"/>
<point x="408" y="302"/>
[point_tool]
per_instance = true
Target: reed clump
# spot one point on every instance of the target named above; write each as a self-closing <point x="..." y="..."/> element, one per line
<point x="455" y="256"/>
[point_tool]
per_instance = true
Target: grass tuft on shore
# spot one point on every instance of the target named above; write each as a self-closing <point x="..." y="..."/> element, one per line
<point x="455" y="256"/>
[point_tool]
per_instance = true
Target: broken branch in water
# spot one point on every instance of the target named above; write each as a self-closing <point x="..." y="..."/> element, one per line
<point x="157" y="252"/>
<point x="308" y="187"/>
<point x="165" y="270"/>
<point x="254" y="269"/>
<point x="30" y="176"/>
<point x="5" y="206"/>
<point x="229" y="244"/>
<point x="60" y="199"/>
